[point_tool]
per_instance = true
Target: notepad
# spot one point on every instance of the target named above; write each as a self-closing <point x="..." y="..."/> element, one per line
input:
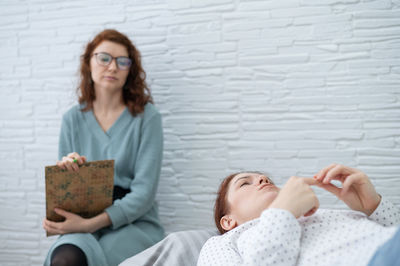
<point x="86" y="192"/>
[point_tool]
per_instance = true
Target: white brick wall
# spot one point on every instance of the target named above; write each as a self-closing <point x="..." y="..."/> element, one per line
<point x="281" y="86"/>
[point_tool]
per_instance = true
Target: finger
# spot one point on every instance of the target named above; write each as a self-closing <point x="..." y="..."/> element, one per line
<point x="69" y="166"/>
<point x="61" y="212"/>
<point x="73" y="155"/>
<point x="311" y="212"/>
<point x="44" y="224"/>
<point x="74" y="162"/>
<point x="51" y="225"/>
<point x="310" y="181"/>
<point x="69" y="163"/>
<point x="83" y="159"/>
<point x="80" y="159"/>
<point x="331" y="188"/>
<point x="47" y="225"/>
<point x="315" y="208"/>
<point x="55" y="228"/>
<point x="316" y="202"/>
<point x="46" y="228"/>
<point x="75" y="166"/>
<point x="52" y="231"/>
<point x="60" y="164"/>
<point x="321" y="174"/>
<point x="350" y="180"/>
<point x="335" y="173"/>
<point x="77" y="160"/>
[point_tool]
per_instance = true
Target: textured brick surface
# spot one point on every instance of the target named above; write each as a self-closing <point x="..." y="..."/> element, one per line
<point x="285" y="87"/>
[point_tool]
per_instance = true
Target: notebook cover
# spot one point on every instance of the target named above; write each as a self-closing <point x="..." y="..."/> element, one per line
<point x="86" y="192"/>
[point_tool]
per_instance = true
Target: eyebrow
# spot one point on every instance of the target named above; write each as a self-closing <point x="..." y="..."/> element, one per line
<point x="247" y="176"/>
<point x="100" y="52"/>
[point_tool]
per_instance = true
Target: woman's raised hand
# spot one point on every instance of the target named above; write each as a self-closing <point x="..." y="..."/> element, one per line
<point x="297" y="197"/>
<point x="357" y="190"/>
<point x="71" y="162"/>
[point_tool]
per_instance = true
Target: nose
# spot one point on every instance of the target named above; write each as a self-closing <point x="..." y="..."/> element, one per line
<point x="263" y="179"/>
<point x="113" y="64"/>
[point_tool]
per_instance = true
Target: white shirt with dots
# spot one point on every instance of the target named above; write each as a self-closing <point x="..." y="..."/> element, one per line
<point x="329" y="237"/>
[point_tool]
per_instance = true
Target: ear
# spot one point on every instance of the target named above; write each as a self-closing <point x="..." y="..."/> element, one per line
<point x="228" y="222"/>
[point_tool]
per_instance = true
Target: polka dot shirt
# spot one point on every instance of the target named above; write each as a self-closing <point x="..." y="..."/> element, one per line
<point x="329" y="237"/>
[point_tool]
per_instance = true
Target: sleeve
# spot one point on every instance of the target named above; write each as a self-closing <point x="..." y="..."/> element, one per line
<point x="147" y="173"/>
<point x="387" y="214"/>
<point x="216" y="252"/>
<point x="275" y="240"/>
<point x="65" y="140"/>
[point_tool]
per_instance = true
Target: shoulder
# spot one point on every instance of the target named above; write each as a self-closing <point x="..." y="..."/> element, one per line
<point x="72" y="114"/>
<point x="150" y="113"/>
<point x="334" y="215"/>
<point x="220" y="250"/>
<point x="150" y="110"/>
<point x="225" y="240"/>
<point x="213" y="244"/>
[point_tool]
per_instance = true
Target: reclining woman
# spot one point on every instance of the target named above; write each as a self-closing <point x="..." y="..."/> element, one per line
<point x="264" y="225"/>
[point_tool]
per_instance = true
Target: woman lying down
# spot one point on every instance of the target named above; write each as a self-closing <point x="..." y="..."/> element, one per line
<point x="264" y="225"/>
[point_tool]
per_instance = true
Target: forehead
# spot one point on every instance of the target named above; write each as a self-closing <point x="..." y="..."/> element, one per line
<point x="234" y="179"/>
<point x="241" y="176"/>
<point x="113" y="48"/>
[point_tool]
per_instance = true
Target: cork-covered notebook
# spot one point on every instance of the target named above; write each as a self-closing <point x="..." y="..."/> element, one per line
<point x="86" y="192"/>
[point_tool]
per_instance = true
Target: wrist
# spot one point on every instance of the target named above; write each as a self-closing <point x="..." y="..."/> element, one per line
<point x="282" y="206"/>
<point x="87" y="226"/>
<point x="97" y="222"/>
<point x="375" y="205"/>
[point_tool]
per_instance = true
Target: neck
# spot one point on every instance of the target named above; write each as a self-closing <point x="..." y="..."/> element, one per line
<point x="107" y="101"/>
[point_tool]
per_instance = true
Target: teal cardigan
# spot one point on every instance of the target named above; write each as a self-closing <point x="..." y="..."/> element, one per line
<point x="136" y="145"/>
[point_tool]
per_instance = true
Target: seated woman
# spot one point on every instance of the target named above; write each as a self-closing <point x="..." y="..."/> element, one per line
<point x="264" y="225"/>
<point x="115" y="119"/>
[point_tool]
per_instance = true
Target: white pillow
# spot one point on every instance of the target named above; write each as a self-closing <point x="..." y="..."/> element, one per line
<point x="178" y="248"/>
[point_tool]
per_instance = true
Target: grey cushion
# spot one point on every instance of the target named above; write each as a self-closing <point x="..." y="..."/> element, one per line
<point x="178" y="248"/>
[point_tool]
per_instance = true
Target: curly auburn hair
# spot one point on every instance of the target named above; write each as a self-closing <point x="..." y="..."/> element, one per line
<point x="135" y="94"/>
<point x="221" y="207"/>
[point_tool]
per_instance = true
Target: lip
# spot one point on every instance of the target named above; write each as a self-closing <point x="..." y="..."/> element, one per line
<point x="268" y="186"/>
<point x="110" y="78"/>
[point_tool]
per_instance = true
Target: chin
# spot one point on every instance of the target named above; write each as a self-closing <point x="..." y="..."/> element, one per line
<point x="270" y="197"/>
<point x="112" y="88"/>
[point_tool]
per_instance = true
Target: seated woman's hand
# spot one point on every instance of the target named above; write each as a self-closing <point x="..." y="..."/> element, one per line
<point x="297" y="197"/>
<point x="357" y="190"/>
<point x="73" y="223"/>
<point x="71" y="162"/>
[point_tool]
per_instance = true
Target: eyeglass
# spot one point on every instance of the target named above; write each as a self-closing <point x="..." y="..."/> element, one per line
<point x="105" y="59"/>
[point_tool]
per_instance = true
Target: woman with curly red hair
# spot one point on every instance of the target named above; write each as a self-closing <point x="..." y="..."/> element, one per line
<point x="115" y="119"/>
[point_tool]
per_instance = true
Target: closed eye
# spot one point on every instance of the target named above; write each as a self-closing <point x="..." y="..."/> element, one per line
<point x="244" y="183"/>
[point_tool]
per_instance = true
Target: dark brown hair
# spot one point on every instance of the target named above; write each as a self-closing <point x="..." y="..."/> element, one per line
<point x="221" y="206"/>
<point x="135" y="94"/>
